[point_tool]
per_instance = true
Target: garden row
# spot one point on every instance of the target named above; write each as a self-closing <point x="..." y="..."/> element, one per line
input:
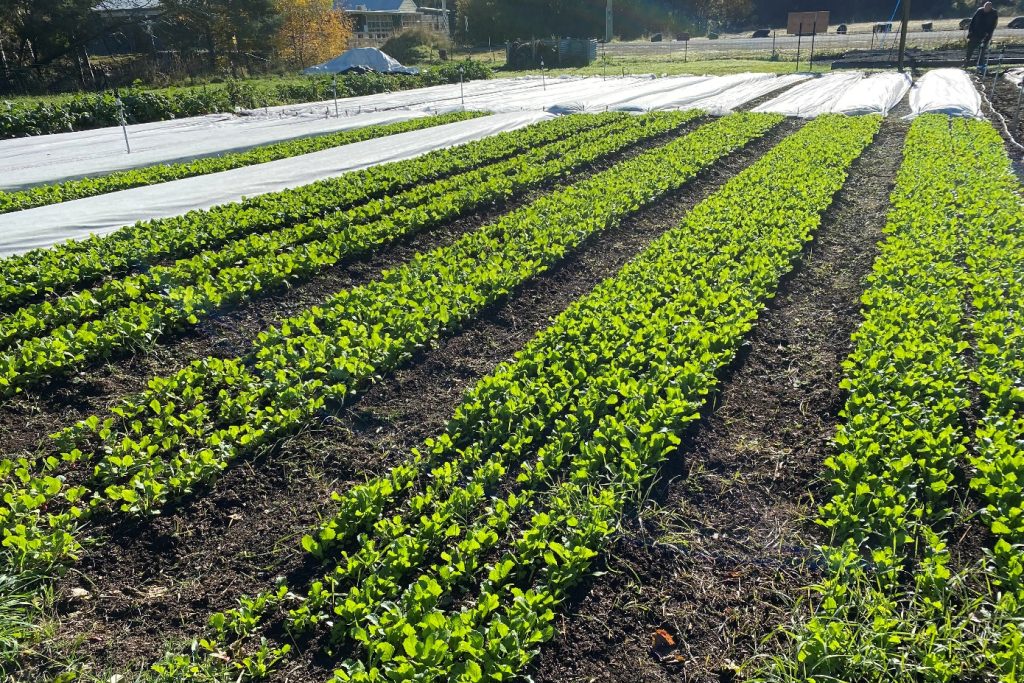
<point x="934" y="400"/>
<point x="87" y="111"/>
<point x="151" y="175"/>
<point x="187" y="427"/>
<point x="450" y="567"/>
<point x="54" y="337"/>
<point x="44" y="272"/>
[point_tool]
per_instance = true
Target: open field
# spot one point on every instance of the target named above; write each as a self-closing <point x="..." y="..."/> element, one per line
<point x="636" y="393"/>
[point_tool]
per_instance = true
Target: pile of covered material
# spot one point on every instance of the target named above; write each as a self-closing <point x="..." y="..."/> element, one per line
<point x="362" y="59"/>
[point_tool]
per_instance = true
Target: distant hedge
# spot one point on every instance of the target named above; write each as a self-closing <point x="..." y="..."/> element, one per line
<point x="86" y="111"/>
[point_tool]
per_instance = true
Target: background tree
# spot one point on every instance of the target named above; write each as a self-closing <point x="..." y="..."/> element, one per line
<point x="223" y="25"/>
<point x="39" y="32"/>
<point x="502" y="20"/>
<point x="310" y="31"/>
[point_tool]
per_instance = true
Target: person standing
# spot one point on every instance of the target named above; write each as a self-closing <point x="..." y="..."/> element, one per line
<point x="979" y="33"/>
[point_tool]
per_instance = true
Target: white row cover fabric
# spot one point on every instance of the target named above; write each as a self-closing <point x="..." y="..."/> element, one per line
<point x="48" y="225"/>
<point x="814" y="97"/>
<point x="368" y="57"/>
<point x="945" y="91"/>
<point x="877" y="94"/>
<point x="27" y="162"/>
<point x="432" y="98"/>
<point x="706" y="93"/>
<point x="552" y="92"/>
<point x="743" y="92"/>
<point x="693" y="91"/>
<point x="1015" y="76"/>
<point x="601" y="97"/>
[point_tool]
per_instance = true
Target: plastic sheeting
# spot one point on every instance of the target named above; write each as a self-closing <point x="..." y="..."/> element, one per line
<point x="55" y="158"/>
<point x="877" y="94"/>
<point x="812" y="98"/>
<point x="1015" y="76"/>
<point x="945" y="91"/>
<point x="44" y="226"/>
<point x="367" y="57"/>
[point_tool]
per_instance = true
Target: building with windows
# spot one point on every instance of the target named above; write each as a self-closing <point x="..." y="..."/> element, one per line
<point x="374" y="21"/>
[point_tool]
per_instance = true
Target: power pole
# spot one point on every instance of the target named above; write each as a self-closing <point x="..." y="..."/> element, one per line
<point x="608" y="23"/>
<point x="903" y="32"/>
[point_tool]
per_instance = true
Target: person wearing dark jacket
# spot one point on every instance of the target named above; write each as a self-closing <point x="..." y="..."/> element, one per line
<point x="979" y="33"/>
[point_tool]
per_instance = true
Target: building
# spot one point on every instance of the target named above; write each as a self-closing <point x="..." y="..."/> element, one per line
<point x="374" y="21"/>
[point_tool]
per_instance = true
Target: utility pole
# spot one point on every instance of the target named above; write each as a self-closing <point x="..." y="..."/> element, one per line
<point x="608" y="23"/>
<point x="903" y="32"/>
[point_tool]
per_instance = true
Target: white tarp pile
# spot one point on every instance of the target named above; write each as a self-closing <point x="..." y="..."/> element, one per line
<point x="814" y="97"/>
<point x="47" y="225"/>
<point x="945" y="91"/>
<point x="696" y="89"/>
<point x="1015" y="76"/>
<point x="877" y="94"/>
<point x="365" y="57"/>
<point x="743" y="92"/>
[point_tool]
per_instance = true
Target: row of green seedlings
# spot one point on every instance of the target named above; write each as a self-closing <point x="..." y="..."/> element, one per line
<point x="410" y="209"/>
<point x="896" y="604"/>
<point x="990" y="195"/>
<point x="137" y="310"/>
<point x="187" y="427"/>
<point x="69" y="190"/>
<point x="58" y="269"/>
<point x="450" y="567"/>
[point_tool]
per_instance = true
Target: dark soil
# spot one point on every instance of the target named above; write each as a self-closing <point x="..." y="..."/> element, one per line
<point x="723" y="545"/>
<point x="26" y="420"/>
<point x="156" y="583"/>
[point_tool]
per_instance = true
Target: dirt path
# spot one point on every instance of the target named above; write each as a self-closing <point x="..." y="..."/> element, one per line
<point x="25" y="421"/>
<point x="720" y="550"/>
<point x="157" y="583"/>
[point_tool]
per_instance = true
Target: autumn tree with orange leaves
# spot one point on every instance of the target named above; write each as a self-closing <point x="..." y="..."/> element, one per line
<point x="311" y="31"/>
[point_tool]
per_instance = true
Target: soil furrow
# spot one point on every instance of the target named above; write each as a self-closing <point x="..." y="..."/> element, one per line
<point x="723" y="544"/>
<point x="156" y="583"/>
<point x="26" y="420"/>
